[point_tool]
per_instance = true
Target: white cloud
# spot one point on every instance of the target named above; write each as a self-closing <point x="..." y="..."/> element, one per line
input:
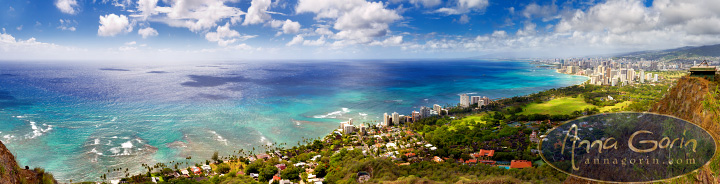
<point x="464" y="6"/>
<point x="13" y="48"/>
<point x="464" y="19"/>
<point x="111" y="25"/>
<point x="357" y="21"/>
<point x="257" y="13"/>
<point x="65" y="24"/>
<point x="67" y="6"/>
<point x="195" y="15"/>
<point x="225" y="36"/>
<point x="320" y="41"/>
<point x="288" y="26"/>
<point x="296" y="40"/>
<point x="147" y="32"/>
<point x="392" y="41"/>
<point x="131" y="43"/>
<point x="324" y="31"/>
<point x="424" y="3"/>
<point x="528" y="30"/>
<point x="19" y="28"/>
<point x="546" y="12"/>
<point x="147" y="8"/>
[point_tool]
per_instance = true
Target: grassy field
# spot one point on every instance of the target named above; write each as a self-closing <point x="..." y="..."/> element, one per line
<point x="620" y="106"/>
<point x="564" y="105"/>
<point x="465" y="121"/>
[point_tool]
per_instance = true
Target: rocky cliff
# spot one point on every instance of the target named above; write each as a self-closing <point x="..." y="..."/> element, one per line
<point x="12" y="173"/>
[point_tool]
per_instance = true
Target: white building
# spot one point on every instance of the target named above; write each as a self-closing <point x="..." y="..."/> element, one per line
<point x="348" y="129"/>
<point x="656" y="78"/>
<point x="642" y="76"/>
<point x="386" y="121"/>
<point x="395" y="118"/>
<point x="464" y="100"/>
<point x="475" y="99"/>
<point x="437" y="108"/>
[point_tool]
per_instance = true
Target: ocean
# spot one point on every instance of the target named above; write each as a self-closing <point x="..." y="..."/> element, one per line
<point x="78" y="120"/>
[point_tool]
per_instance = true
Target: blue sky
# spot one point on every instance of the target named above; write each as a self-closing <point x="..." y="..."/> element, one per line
<point x="169" y="30"/>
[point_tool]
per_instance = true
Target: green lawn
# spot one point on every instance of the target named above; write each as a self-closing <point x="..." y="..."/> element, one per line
<point x="564" y="105"/>
<point x="619" y="106"/>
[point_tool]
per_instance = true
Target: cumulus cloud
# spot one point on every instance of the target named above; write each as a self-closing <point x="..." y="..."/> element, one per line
<point x="67" y="6"/>
<point x="147" y="32"/>
<point x="288" y="26"/>
<point x="612" y="26"/>
<point x="111" y="25"/>
<point x="257" y="13"/>
<point x="677" y="23"/>
<point x="195" y="15"/>
<point x="296" y="40"/>
<point x="225" y="36"/>
<point x="357" y="21"/>
<point x="320" y="41"/>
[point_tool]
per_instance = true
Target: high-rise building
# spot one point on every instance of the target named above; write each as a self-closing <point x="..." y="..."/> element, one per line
<point x="348" y="129"/>
<point x="474" y="99"/>
<point x="395" y="118"/>
<point x="486" y="100"/>
<point x="415" y="115"/>
<point x="386" y="121"/>
<point x="464" y="100"/>
<point x="437" y="108"/>
<point x="656" y="78"/>
<point x="642" y="76"/>
<point x="424" y="112"/>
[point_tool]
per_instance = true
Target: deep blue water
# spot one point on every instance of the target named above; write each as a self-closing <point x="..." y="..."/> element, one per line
<point x="78" y="120"/>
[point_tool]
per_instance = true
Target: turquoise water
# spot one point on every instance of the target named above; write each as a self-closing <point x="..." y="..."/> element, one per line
<point x="79" y="120"/>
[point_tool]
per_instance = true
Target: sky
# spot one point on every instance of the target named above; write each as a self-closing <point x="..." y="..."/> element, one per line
<point x="189" y="30"/>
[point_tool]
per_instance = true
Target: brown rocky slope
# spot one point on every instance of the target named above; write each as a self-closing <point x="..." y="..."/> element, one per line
<point x="12" y="173"/>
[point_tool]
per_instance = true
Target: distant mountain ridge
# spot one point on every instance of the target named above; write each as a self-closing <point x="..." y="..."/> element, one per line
<point x="688" y="52"/>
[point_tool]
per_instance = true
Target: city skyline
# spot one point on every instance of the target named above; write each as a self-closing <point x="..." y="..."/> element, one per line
<point x="184" y="30"/>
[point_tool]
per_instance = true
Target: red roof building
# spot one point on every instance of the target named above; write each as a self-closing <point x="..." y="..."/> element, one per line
<point x="280" y="166"/>
<point x="262" y="156"/>
<point x="518" y="164"/>
<point x="437" y="159"/>
<point x="409" y="154"/>
<point x="471" y="161"/>
<point x="486" y="153"/>
<point x="196" y="170"/>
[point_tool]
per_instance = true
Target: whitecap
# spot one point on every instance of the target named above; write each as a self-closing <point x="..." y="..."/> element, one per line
<point x="36" y="131"/>
<point x="97" y="141"/>
<point x="95" y="151"/>
<point x="334" y="114"/>
<point x="127" y="145"/>
<point x="115" y="150"/>
<point x="219" y="138"/>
